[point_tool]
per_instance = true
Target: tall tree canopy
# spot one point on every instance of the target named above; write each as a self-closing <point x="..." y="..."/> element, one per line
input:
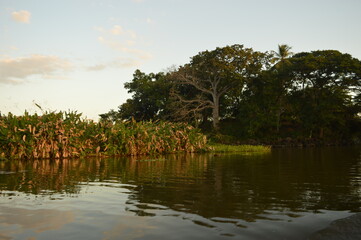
<point x="214" y="73"/>
<point x="324" y="85"/>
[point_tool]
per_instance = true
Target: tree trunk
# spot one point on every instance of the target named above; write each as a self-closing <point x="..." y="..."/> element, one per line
<point x="215" y="112"/>
<point x="278" y="119"/>
<point x="321" y="132"/>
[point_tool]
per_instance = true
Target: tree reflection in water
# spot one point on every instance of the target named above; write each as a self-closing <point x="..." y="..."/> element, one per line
<point x="221" y="188"/>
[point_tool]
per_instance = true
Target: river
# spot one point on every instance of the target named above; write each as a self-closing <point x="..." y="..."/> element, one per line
<point x="286" y="194"/>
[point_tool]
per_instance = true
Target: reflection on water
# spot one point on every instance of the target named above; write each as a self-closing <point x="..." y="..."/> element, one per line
<point x="288" y="193"/>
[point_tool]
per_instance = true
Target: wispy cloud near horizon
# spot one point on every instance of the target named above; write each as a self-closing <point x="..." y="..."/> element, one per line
<point x="116" y="63"/>
<point x="117" y="30"/>
<point x="125" y="42"/>
<point x="18" y="70"/>
<point x="125" y="47"/>
<point x="21" y="16"/>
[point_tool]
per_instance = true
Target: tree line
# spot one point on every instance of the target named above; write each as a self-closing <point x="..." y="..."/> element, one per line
<point x="247" y="94"/>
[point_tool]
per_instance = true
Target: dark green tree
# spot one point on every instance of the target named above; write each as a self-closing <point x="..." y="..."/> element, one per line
<point x="111" y="116"/>
<point x="325" y="83"/>
<point x="150" y="96"/>
<point x="256" y="112"/>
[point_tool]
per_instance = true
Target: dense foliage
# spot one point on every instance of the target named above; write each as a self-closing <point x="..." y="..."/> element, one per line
<point x="67" y="135"/>
<point x="246" y="94"/>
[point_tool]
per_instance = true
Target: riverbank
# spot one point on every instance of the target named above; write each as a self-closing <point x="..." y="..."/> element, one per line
<point x="224" y="148"/>
<point x="285" y="142"/>
<point x="67" y="135"/>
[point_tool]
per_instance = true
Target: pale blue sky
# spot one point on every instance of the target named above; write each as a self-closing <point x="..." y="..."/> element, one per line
<point x="77" y="54"/>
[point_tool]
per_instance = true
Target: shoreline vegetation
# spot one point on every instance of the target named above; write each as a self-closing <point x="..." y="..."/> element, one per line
<point x="237" y="95"/>
<point x="233" y="94"/>
<point x="57" y="135"/>
<point x="67" y="135"/>
<point x="225" y="148"/>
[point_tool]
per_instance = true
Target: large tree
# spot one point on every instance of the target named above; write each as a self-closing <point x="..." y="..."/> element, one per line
<point x="215" y="73"/>
<point x="325" y="83"/>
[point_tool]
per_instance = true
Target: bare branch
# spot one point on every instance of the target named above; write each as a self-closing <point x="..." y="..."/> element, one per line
<point x="224" y="90"/>
<point x="188" y="109"/>
<point x="192" y="80"/>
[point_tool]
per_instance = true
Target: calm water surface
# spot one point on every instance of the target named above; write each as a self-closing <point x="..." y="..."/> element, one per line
<point x="287" y="194"/>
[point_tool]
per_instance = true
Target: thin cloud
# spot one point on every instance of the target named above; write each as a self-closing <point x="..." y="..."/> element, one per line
<point x="132" y="34"/>
<point x="117" y="63"/>
<point x="124" y="48"/>
<point x="125" y="42"/>
<point x="18" y="70"/>
<point x="98" y="67"/>
<point x="21" y="16"/>
<point x="150" y="21"/>
<point x="7" y="50"/>
<point x="117" y="30"/>
<point x="125" y="45"/>
<point x="129" y="63"/>
<point x="130" y="43"/>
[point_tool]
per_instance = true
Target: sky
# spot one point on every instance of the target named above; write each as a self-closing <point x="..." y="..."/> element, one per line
<point x="77" y="54"/>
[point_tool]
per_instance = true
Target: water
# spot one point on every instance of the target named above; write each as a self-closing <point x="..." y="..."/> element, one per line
<point x="287" y="194"/>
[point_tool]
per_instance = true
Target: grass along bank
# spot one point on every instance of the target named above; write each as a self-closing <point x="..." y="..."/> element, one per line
<point x="223" y="148"/>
